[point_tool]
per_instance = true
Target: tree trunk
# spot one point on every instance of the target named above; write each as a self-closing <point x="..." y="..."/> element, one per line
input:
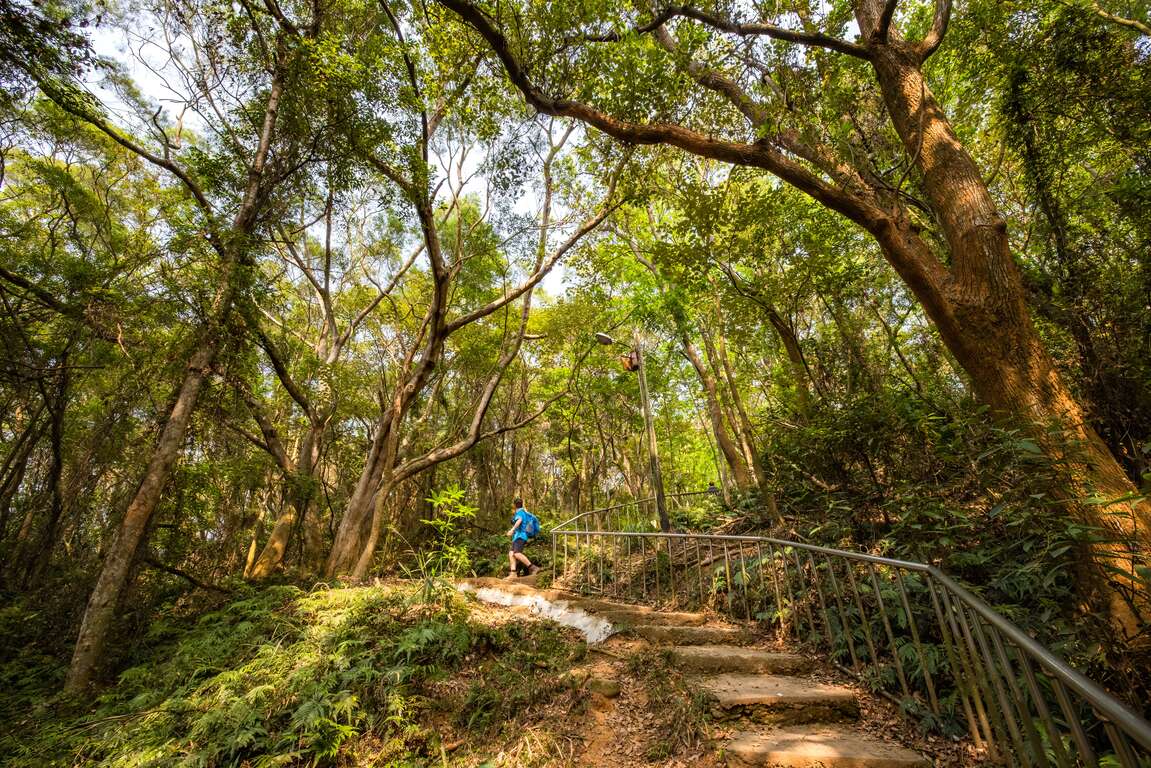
<point x="747" y="435"/>
<point x="42" y="555"/>
<point x="122" y="551"/>
<point x="12" y="474"/>
<point x="300" y="478"/>
<point x="250" y="559"/>
<point x="273" y="552"/>
<point x="980" y="310"/>
<point x="351" y="532"/>
<point x="737" y="419"/>
<point x="795" y="358"/>
<point x="727" y="447"/>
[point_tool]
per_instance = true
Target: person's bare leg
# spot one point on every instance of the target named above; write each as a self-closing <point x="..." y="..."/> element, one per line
<point x="511" y="562"/>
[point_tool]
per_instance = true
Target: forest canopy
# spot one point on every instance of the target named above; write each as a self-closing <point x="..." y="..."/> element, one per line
<point x="280" y="278"/>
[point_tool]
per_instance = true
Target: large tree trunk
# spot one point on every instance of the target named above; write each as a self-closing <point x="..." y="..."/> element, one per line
<point x="351" y="533"/>
<point x="122" y="551"/>
<point x="980" y="310"/>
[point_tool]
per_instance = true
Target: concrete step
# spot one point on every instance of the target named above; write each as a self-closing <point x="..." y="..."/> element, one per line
<point x="778" y="699"/>
<point x="690" y="635"/>
<point x="732" y="658"/>
<point x="632" y="618"/>
<point x="818" y="746"/>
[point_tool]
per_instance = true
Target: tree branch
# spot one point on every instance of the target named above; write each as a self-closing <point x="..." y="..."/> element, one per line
<point x="49" y="300"/>
<point x="1122" y="21"/>
<point x="534" y="279"/>
<point x="757" y="155"/>
<point x="883" y="29"/>
<point x="754" y="29"/>
<point x="185" y="575"/>
<point x="817" y="39"/>
<point x="69" y="103"/>
<point x="935" y="36"/>
<point x="282" y="373"/>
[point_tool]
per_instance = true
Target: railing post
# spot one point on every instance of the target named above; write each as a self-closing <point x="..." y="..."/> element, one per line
<point x="914" y="627"/>
<point x="845" y="627"/>
<point x="887" y="629"/>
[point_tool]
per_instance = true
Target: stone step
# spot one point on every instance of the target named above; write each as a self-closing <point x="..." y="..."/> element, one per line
<point x="818" y="746"/>
<point x="705" y="635"/>
<point x="732" y="658"/>
<point x="632" y="618"/>
<point x="778" y="699"/>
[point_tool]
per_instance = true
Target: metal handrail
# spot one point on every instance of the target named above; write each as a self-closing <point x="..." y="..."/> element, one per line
<point x="1006" y="683"/>
<point x="634" y="503"/>
<point x="1106" y="704"/>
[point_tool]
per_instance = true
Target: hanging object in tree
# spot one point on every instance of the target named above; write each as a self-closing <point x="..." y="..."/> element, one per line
<point x="630" y="361"/>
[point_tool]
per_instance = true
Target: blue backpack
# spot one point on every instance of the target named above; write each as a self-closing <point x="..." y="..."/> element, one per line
<point x="531" y="525"/>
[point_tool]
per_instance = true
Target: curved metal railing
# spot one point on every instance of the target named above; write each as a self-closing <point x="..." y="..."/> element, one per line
<point x="904" y="628"/>
<point x="638" y="514"/>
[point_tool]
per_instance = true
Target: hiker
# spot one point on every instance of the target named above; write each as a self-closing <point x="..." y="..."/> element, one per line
<point x="524" y="528"/>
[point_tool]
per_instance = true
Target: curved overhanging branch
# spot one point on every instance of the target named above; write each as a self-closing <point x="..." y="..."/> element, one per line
<point x="762" y="29"/>
<point x="757" y="155"/>
<point x="752" y="29"/>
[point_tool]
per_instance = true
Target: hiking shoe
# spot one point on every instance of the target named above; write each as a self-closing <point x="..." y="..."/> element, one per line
<point x="533" y="570"/>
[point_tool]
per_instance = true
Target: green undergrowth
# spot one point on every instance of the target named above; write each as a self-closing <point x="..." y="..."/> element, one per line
<point x="280" y="676"/>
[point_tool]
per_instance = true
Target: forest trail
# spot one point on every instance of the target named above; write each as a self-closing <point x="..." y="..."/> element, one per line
<point x="764" y="706"/>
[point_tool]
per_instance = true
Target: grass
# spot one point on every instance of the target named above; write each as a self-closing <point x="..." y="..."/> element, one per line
<point x="279" y="676"/>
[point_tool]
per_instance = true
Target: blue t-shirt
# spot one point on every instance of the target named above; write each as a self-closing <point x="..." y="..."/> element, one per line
<point x="521" y="515"/>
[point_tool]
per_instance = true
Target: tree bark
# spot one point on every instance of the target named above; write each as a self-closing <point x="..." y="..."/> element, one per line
<point x="40" y="557"/>
<point x="230" y="245"/>
<point x="300" y="477"/>
<point x="15" y="465"/>
<point x="350" y="533"/>
<point x="795" y="358"/>
<point x="747" y="434"/>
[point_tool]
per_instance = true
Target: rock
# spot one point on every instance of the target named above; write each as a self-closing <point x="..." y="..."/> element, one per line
<point x="609" y="689"/>
<point x="574" y="678"/>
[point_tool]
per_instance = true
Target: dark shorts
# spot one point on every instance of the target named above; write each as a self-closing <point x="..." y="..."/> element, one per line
<point x="518" y="545"/>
